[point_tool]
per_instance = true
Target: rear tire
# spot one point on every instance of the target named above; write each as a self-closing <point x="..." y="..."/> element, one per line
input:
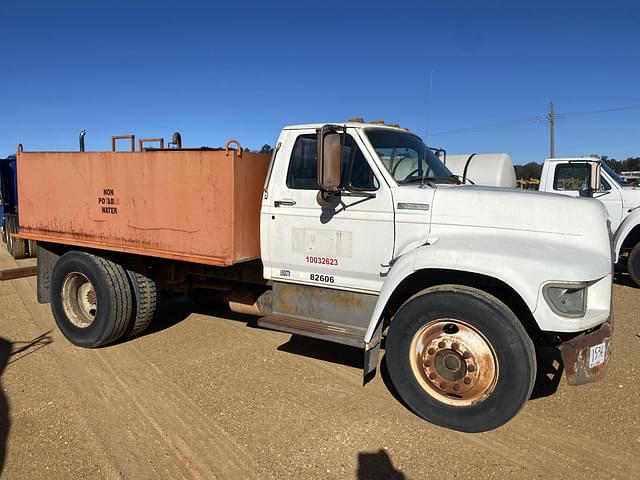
<point x="91" y="299"/>
<point x="145" y="299"/>
<point x="33" y="248"/>
<point x="17" y="247"/>
<point x="633" y="264"/>
<point x="460" y="358"/>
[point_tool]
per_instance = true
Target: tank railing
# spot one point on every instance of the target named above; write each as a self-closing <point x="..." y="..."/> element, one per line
<point x="142" y="141"/>
<point x="132" y="138"/>
<point x="226" y="148"/>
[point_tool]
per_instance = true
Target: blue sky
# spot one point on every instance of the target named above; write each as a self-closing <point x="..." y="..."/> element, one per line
<point x="243" y="70"/>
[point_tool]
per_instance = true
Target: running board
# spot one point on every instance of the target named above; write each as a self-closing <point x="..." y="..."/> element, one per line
<point x="345" y="335"/>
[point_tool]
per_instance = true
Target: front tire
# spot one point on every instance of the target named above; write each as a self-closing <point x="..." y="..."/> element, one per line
<point x="460" y="358"/>
<point x="633" y="264"/>
<point x="91" y="299"/>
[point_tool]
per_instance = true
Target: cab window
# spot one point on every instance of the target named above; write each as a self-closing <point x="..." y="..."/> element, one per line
<point x="572" y="177"/>
<point x="302" y="174"/>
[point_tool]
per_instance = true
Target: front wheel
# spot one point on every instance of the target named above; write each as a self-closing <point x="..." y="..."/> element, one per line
<point x="633" y="264"/>
<point x="460" y="358"/>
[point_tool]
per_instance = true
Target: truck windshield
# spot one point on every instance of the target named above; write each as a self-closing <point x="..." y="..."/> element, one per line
<point x="407" y="158"/>
<point x="616" y="178"/>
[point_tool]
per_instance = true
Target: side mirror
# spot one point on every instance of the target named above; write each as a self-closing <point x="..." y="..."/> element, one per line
<point x="594" y="185"/>
<point x="329" y="158"/>
<point x="594" y="180"/>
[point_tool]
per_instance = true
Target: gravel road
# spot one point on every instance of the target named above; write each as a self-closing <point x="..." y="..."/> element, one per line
<point x="205" y="395"/>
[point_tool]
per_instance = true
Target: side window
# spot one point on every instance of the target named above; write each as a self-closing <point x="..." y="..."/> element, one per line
<point x="604" y="185"/>
<point x="572" y="177"/>
<point x="302" y="174"/>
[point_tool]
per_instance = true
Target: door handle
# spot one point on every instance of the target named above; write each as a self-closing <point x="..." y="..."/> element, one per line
<point x="286" y="202"/>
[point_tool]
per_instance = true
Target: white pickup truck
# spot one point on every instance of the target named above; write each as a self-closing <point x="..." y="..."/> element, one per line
<point x="356" y="234"/>
<point x="573" y="177"/>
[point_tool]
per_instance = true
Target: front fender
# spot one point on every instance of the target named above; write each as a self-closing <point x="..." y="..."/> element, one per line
<point x="625" y="228"/>
<point x="520" y="259"/>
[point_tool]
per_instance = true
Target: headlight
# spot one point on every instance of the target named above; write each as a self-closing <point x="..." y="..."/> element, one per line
<point x="567" y="299"/>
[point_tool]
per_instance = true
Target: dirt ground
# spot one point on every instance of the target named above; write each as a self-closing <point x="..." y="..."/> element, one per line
<point x="205" y="396"/>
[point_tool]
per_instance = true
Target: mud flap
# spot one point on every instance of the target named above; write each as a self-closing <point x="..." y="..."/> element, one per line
<point x="586" y="356"/>
<point x="371" y="352"/>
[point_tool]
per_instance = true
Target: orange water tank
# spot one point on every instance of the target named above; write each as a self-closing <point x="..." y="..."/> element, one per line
<point x="200" y="205"/>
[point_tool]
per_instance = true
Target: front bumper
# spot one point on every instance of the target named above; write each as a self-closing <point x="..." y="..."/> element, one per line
<point x="586" y="356"/>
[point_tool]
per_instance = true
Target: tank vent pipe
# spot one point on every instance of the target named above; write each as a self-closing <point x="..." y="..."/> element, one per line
<point x="82" y="134"/>
<point x="176" y="139"/>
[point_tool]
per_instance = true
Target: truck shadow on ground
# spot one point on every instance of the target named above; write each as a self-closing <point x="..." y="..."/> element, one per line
<point x="623" y="279"/>
<point x="324" y="350"/>
<point x="22" y="349"/>
<point x="5" y="422"/>
<point x="377" y="466"/>
<point x="173" y="311"/>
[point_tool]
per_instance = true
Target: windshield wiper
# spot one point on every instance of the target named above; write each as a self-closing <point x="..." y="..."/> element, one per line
<point x="431" y="179"/>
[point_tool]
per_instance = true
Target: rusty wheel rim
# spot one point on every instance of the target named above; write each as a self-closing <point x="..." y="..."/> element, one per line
<point x="79" y="300"/>
<point x="453" y="362"/>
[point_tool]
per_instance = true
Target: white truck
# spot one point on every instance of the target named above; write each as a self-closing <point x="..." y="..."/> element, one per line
<point x="355" y="233"/>
<point x="574" y="176"/>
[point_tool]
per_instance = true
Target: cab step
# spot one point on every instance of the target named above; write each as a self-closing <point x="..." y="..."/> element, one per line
<point x="345" y="335"/>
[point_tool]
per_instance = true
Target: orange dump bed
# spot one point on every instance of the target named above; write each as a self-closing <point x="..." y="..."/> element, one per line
<point x="200" y="206"/>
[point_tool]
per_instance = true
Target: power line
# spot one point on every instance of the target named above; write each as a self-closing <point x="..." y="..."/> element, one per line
<point x="533" y="119"/>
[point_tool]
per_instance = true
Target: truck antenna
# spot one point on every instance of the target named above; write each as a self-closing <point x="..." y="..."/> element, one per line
<point x="429" y="103"/>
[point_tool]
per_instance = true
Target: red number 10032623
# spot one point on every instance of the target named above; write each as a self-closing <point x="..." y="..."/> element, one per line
<point x="333" y="262"/>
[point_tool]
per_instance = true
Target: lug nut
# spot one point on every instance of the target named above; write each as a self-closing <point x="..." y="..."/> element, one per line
<point x="455" y="346"/>
<point x="432" y="376"/>
<point x="471" y="368"/>
<point x="427" y="363"/>
<point x="456" y="387"/>
<point x="443" y="386"/>
<point x="442" y="345"/>
<point x="467" y="381"/>
<point x="431" y="351"/>
<point x="466" y="355"/>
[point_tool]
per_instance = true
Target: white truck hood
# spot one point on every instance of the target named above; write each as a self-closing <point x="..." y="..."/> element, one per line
<point x="521" y="210"/>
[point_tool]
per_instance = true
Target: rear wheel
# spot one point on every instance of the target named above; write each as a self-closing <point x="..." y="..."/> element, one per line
<point x="460" y="358"/>
<point x="17" y="247"/>
<point x="33" y="248"/>
<point x="91" y="299"/>
<point x="145" y="298"/>
<point x="633" y="264"/>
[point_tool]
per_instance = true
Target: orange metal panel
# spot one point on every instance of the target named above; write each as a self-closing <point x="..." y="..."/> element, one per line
<point x="200" y="206"/>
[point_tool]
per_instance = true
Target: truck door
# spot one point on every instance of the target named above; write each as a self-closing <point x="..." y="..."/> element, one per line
<point x="611" y="196"/>
<point x="342" y="242"/>
<point x="571" y="177"/>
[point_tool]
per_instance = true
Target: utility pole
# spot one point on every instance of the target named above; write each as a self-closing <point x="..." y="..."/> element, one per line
<point x="552" y="124"/>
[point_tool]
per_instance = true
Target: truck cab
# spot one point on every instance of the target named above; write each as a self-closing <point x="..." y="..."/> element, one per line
<point x="587" y="176"/>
